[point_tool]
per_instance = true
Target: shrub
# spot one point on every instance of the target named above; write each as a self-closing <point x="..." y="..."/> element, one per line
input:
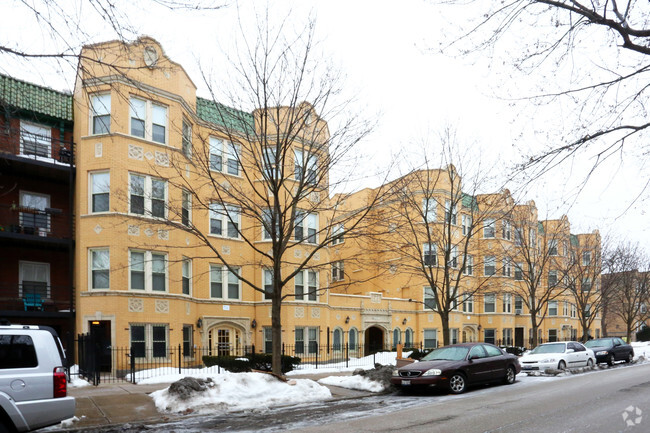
<point x="257" y="361"/>
<point x="416" y="353"/>
<point x="234" y="364"/>
<point x="644" y="334"/>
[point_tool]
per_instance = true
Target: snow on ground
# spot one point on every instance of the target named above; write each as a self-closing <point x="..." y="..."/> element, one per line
<point x="367" y="362"/>
<point x="243" y="391"/>
<point x="75" y="380"/>
<point x="171" y="374"/>
<point x="641" y="348"/>
<point x="353" y="382"/>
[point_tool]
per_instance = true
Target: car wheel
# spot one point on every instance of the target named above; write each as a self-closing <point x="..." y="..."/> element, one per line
<point x="510" y="375"/>
<point x="457" y="383"/>
<point x="590" y="363"/>
<point x="561" y="365"/>
<point x="630" y="357"/>
<point x="610" y="359"/>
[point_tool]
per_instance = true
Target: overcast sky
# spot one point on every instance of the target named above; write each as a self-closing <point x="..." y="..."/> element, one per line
<point x="389" y="53"/>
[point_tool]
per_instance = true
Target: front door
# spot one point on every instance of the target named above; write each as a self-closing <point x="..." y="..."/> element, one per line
<point x="519" y="337"/>
<point x="100" y="332"/>
<point x="374" y="340"/>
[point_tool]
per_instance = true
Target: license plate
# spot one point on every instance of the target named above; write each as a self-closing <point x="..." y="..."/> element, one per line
<point x="406" y="382"/>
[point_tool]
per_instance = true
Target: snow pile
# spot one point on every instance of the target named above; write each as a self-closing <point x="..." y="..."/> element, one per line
<point x="241" y="391"/>
<point x="367" y="362"/>
<point x="641" y="349"/>
<point x="361" y="383"/>
<point x="75" y="380"/>
<point x="171" y="374"/>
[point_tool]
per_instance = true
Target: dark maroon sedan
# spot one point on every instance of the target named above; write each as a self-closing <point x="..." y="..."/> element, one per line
<point x="457" y="366"/>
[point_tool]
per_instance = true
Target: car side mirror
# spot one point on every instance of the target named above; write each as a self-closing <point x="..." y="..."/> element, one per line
<point x="473" y="357"/>
<point x="570" y="351"/>
<point x="617" y="344"/>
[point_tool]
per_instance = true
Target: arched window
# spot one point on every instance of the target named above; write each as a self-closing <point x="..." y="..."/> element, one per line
<point x="337" y="339"/>
<point x="408" y="337"/>
<point x="397" y="337"/>
<point x="352" y="339"/>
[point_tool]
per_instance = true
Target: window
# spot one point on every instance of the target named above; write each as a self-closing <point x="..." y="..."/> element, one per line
<point x="224" y="220"/>
<point x="34" y="218"/>
<point x="453" y="335"/>
<point x="586" y="258"/>
<point x="468" y="303"/>
<point x="429" y="299"/>
<point x="450" y="213"/>
<point x="552" y="308"/>
<point x="489" y="336"/>
<point x="466" y="222"/>
<point x="148" y="271"/>
<point x="469" y="265"/>
<point x="507" y="267"/>
<point x="507" y="337"/>
<point x="507" y="303"/>
<point x="188" y="345"/>
<point x="224" y="283"/>
<point x="233" y="152"/>
<point x="453" y="257"/>
<point x="148" y="120"/>
<point x="307" y="335"/>
<point x="586" y="284"/>
<point x="149" y="340"/>
<point x="338" y="234"/>
<point x="306" y="227"/>
<point x="305" y="166"/>
<point x="186" y="208"/>
<point x="268" y="339"/>
<point x="397" y="337"/>
<point x="532" y="242"/>
<point x="100" y="184"/>
<point x="338" y="272"/>
<point x="148" y="195"/>
<point x="552" y="247"/>
<point x="506" y="230"/>
<point x="489" y="303"/>
<point x="216" y="154"/>
<point x="34" y="279"/>
<point x="186" y="141"/>
<point x="573" y="310"/>
<point x="337" y="339"/>
<point x="100" y="112"/>
<point x="519" y="304"/>
<point x="587" y="310"/>
<point x="306" y="283"/>
<point x="352" y="339"/>
<point x="488" y="228"/>
<point x="552" y="335"/>
<point x="519" y="271"/>
<point x="408" y="338"/>
<point x="489" y="266"/>
<point x="565" y="308"/>
<point x="552" y="278"/>
<point x="268" y="284"/>
<point x="270" y="164"/>
<point x="430" y="338"/>
<point x="430" y="254"/>
<point x="518" y="237"/>
<point x="187" y="276"/>
<point x="17" y="351"/>
<point x="268" y="225"/>
<point x="35" y="139"/>
<point x="429" y="208"/>
<point x="100" y="267"/>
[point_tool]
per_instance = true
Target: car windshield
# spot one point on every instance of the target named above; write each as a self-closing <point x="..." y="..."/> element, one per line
<point x="599" y="342"/>
<point x="453" y="353"/>
<point x="548" y="348"/>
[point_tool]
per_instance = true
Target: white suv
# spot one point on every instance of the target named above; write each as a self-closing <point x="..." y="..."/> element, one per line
<point x="33" y="381"/>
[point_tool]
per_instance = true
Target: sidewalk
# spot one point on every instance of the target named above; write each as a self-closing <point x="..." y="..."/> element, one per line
<point x="118" y="403"/>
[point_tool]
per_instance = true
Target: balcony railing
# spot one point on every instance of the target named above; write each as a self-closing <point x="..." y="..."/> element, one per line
<point x="35" y="296"/>
<point x="36" y="147"/>
<point x="46" y="223"/>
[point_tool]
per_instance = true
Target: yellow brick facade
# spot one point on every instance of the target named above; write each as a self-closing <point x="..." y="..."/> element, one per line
<point x="372" y="303"/>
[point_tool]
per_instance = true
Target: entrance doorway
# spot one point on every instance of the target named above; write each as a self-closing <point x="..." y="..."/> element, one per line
<point x="225" y="341"/>
<point x="519" y="337"/>
<point x="374" y="340"/>
<point x="100" y="334"/>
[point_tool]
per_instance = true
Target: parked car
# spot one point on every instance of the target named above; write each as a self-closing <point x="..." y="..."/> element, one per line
<point x="33" y="380"/>
<point x="457" y="366"/>
<point x="610" y="350"/>
<point x="558" y="355"/>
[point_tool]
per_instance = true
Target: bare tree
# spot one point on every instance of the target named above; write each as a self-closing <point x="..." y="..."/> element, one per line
<point x="538" y="254"/>
<point x="283" y="152"/>
<point x="431" y="228"/>
<point x="626" y="286"/>
<point x="589" y="58"/>
<point x="582" y="277"/>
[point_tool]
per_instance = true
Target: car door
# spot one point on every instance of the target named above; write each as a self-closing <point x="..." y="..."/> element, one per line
<point x="496" y="362"/>
<point x="478" y="365"/>
<point x="581" y="354"/>
<point x="620" y="349"/>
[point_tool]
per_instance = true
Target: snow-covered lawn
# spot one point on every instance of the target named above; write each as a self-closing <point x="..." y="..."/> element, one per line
<point x="353" y="382"/>
<point x="641" y="348"/>
<point x="242" y="391"/>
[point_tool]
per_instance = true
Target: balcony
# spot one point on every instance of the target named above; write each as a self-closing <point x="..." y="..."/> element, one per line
<point x="36" y="225"/>
<point x="36" y="299"/>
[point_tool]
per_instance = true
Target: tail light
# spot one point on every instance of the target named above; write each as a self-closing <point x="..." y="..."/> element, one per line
<point x="60" y="382"/>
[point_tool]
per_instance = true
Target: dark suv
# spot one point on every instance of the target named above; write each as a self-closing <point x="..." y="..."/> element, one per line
<point x="610" y="350"/>
<point x="33" y="381"/>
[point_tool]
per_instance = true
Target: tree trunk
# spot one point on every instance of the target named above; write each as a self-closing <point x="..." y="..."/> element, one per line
<point x="444" y="318"/>
<point x="534" y="327"/>
<point x="276" y="333"/>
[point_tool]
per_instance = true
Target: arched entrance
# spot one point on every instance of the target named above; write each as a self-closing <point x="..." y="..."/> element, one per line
<point x="469" y="334"/>
<point x="225" y="340"/>
<point x="374" y="338"/>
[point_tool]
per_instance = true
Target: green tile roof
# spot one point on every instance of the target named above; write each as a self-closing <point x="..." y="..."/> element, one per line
<point x="37" y="99"/>
<point x="219" y="114"/>
<point x="468" y="201"/>
<point x="574" y="241"/>
<point x="540" y="227"/>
